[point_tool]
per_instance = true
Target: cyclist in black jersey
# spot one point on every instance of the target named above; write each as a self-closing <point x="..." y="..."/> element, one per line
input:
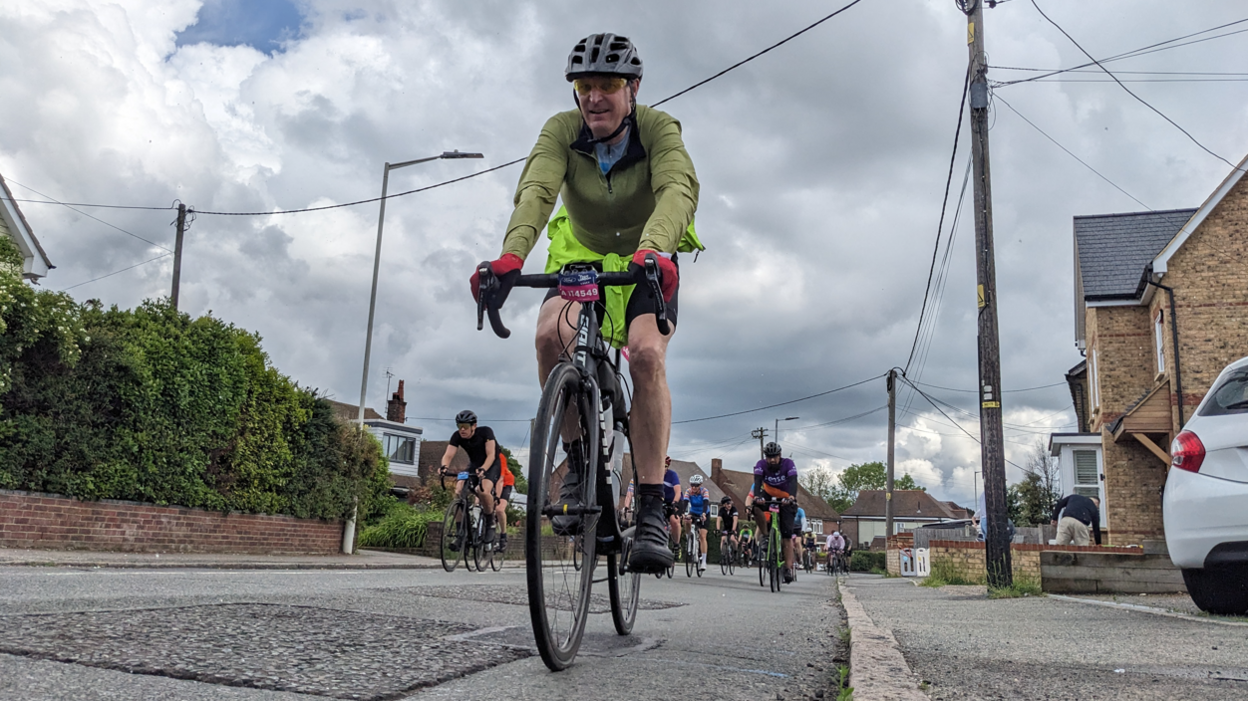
<point x="727" y="522"/>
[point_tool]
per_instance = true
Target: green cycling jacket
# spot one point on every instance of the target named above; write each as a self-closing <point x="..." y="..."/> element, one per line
<point x="647" y="200"/>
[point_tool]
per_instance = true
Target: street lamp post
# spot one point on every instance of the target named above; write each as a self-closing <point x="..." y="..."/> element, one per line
<point x="776" y="432"/>
<point x="381" y="220"/>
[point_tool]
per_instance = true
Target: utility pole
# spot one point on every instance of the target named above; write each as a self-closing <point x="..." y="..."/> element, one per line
<point x="892" y="430"/>
<point x="992" y="439"/>
<point x="761" y="434"/>
<point x="177" y="255"/>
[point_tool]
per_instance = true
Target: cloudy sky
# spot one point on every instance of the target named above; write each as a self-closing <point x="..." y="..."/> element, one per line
<point x="822" y="164"/>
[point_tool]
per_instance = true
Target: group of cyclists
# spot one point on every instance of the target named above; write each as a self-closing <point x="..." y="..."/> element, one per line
<point x="775" y="479"/>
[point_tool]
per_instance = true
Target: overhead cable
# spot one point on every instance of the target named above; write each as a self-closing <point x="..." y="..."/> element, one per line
<point x="773" y="406"/>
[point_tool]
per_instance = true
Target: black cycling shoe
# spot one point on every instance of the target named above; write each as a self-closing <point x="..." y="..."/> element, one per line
<point x="489" y="531"/>
<point x="650" y="552"/>
<point x="788" y="576"/>
<point x="502" y="543"/>
<point x="570" y="491"/>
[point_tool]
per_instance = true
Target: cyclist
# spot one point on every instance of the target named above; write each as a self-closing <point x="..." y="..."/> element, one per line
<point x="726" y="522"/>
<point x="629" y="191"/>
<point x="835" y="545"/>
<point x="799" y="527"/>
<point x="776" y="477"/>
<point x="483" y="457"/>
<point x="502" y="496"/>
<point x="672" y="500"/>
<point x="747" y="546"/>
<point x="699" y="501"/>
<point x="808" y="546"/>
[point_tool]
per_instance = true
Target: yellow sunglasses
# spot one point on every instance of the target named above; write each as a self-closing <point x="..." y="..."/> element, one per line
<point x="605" y="85"/>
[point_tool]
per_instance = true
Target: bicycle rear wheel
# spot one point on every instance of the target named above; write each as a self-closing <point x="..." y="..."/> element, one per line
<point x="452" y="540"/>
<point x="559" y="568"/>
<point x="625" y="589"/>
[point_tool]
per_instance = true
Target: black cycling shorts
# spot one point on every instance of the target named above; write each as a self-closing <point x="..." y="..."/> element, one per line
<point x="493" y="474"/>
<point x="640" y="302"/>
<point x="788" y="514"/>
<point x="506" y="496"/>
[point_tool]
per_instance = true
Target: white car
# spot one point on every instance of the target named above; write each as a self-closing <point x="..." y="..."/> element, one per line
<point x="1205" y="508"/>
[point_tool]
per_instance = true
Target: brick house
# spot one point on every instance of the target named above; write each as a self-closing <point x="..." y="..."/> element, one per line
<point x="35" y="263"/>
<point x="864" y="521"/>
<point x="402" y="444"/>
<point x="1161" y="306"/>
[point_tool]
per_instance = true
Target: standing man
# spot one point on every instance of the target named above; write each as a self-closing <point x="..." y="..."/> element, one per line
<point x="629" y="192"/>
<point x="1081" y="513"/>
<point x="483" y="456"/>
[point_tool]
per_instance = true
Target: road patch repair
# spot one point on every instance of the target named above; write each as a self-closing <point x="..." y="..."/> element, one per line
<point x="516" y="596"/>
<point x="877" y="669"/>
<point x="303" y="649"/>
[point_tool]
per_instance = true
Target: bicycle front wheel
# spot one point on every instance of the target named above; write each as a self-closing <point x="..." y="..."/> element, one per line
<point x="479" y="546"/>
<point x="452" y="535"/>
<point x="725" y="557"/>
<point x="775" y="558"/>
<point x="559" y="541"/>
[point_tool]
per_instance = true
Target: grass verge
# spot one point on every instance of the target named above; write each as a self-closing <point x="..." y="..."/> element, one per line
<point x="945" y="572"/>
<point x="1023" y="585"/>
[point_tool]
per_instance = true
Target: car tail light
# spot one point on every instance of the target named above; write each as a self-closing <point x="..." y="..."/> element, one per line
<point x="1187" y="452"/>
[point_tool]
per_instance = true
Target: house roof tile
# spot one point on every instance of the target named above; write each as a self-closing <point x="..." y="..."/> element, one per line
<point x="1114" y="250"/>
<point x="907" y="503"/>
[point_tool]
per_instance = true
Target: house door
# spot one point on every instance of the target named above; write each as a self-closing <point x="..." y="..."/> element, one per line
<point x="1088" y="477"/>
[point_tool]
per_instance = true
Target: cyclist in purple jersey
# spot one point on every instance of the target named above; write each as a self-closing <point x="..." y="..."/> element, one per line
<point x="672" y="498"/>
<point x="776" y="477"/>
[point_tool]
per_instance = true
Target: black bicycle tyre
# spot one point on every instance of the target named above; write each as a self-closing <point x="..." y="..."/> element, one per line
<point x="725" y="556"/>
<point x="625" y="591"/>
<point x="451" y="558"/>
<point x="479" y="546"/>
<point x="497" y="557"/>
<point x="559" y="598"/>
<point x="732" y="559"/>
<point x="762" y="567"/>
<point x="697" y="552"/>
<point x="777" y="555"/>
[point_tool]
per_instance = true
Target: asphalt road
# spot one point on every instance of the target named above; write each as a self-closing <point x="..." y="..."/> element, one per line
<point x="421" y="634"/>
<point x="965" y="646"/>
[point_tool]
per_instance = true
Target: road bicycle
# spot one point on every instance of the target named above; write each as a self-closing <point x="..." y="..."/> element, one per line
<point x="463" y="527"/>
<point x="692" y="548"/>
<point x="727" y="554"/>
<point x="837" y="563"/>
<point x="808" y="559"/>
<point x="771" y="560"/>
<point x="579" y="437"/>
<point x="670" y="510"/>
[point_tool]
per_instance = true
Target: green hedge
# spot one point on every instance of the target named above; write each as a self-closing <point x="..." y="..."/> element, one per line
<point x="151" y="405"/>
<point x="867" y="560"/>
<point x="402" y="527"/>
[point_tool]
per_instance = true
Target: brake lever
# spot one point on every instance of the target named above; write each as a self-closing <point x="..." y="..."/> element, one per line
<point x="660" y="307"/>
<point x="487" y="286"/>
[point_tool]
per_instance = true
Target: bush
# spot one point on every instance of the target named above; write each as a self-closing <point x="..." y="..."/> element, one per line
<point x="867" y="561"/>
<point x="151" y="405"/>
<point x="403" y="527"/>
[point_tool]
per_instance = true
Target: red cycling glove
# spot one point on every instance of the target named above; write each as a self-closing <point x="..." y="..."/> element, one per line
<point x="506" y="269"/>
<point x="669" y="276"/>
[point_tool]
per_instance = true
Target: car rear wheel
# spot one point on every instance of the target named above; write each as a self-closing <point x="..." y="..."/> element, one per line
<point x="1219" y="590"/>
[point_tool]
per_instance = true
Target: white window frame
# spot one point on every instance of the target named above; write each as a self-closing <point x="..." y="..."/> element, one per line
<point x="1159" y="335"/>
<point x="1095" y="382"/>
<point x="398" y="440"/>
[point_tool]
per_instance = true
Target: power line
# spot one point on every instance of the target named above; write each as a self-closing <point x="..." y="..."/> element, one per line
<point x="955" y="423"/>
<point x="975" y="391"/>
<point x="1141" y="100"/>
<point x="773" y="406"/>
<point x="1142" y="51"/>
<point x="944" y="203"/>
<point x="73" y="207"/>
<point x="1072" y="155"/>
<point x="1079" y="70"/>
<point x="118" y="272"/>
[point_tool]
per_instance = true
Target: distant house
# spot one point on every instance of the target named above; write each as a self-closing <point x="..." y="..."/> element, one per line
<point x="1150" y="352"/>
<point x="912" y="508"/>
<point x="35" y="263"/>
<point x="820" y="516"/>
<point x="400" y="443"/>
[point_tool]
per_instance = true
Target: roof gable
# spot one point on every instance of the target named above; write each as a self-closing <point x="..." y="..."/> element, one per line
<point x="907" y="504"/>
<point x="1113" y="251"/>
<point x="1162" y="260"/>
<point x="35" y="263"/>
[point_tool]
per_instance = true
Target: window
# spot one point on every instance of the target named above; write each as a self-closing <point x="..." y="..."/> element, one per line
<point x="1087" y="476"/>
<point x="399" y="448"/>
<point x="1159" y="336"/>
<point x="1230" y="398"/>
<point x="1095" y="382"/>
<point x="714" y="510"/>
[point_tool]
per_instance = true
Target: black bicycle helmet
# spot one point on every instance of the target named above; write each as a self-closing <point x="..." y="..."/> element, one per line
<point x="725" y="499"/>
<point x="608" y="54"/>
<point x="771" y="450"/>
<point x="466" y="417"/>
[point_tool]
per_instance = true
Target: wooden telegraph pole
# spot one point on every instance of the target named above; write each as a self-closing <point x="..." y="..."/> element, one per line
<point x="177" y="255"/>
<point x="761" y="435"/>
<point x="892" y="431"/>
<point x="992" y="439"/>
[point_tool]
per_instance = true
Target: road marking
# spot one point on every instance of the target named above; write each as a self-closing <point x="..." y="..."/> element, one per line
<point x="1150" y="609"/>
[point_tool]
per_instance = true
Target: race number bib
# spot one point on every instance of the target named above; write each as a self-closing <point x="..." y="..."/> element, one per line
<point x="578" y="285"/>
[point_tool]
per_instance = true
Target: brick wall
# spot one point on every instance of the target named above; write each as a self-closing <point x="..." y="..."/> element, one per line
<point x="1133" y="478"/>
<point x="1123" y="340"/>
<point x="33" y="520"/>
<point x="968" y="556"/>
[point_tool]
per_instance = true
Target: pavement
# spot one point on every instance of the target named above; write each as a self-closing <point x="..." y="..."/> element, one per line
<point x="955" y="643"/>
<point x="362" y="559"/>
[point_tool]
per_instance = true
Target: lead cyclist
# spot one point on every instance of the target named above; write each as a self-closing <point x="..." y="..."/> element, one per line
<point x="629" y="193"/>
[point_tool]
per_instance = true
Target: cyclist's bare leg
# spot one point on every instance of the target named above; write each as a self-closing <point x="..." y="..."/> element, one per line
<point x="702" y="538"/>
<point x="486" y="494"/>
<point x="673" y="524"/>
<point x="651" y="417"/>
<point x="787" y="546"/>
